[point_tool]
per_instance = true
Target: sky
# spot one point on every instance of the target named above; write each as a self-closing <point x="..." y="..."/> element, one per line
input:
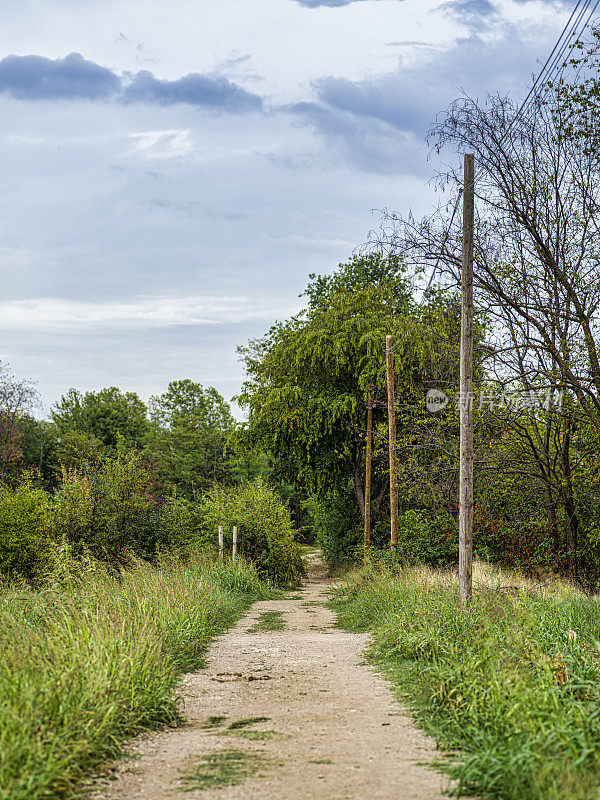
<point x="172" y="172"/>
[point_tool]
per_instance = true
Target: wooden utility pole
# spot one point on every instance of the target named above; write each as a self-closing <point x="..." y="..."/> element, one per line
<point x="234" y="548"/>
<point x="221" y="542"/>
<point x="389" y="359"/>
<point x="368" y="479"/>
<point x="465" y="503"/>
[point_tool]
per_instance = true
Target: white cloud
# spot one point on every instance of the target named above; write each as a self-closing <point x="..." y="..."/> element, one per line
<point x="161" y="144"/>
<point x="57" y="314"/>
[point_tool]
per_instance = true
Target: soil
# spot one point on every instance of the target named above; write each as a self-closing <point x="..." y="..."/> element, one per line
<point x="331" y="728"/>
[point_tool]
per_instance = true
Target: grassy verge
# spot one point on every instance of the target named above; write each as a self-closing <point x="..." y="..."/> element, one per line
<point x="514" y="684"/>
<point x="87" y="664"/>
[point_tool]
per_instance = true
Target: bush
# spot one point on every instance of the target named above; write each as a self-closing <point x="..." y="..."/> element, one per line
<point x="265" y="534"/>
<point x="427" y="540"/>
<point x="339" y="527"/>
<point x="178" y="527"/>
<point x="25" y="546"/>
<point x="108" y="510"/>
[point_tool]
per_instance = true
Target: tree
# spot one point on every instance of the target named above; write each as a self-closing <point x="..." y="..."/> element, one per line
<point x="115" y="418"/>
<point x="537" y="272"/>
<point x="16" y="399"/>
<point x="187" y="441"/>
<point x="309" y="378"/>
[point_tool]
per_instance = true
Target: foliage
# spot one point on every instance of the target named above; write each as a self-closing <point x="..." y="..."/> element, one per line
<point x="115" y="418"/>
<point x="87" y="664"/>
<point x="513" y="684"/>
<point x="188" y="437"/>
<point x="16" y="399"/>
<point x="338" y="525"/>
<point x="37" y="442"/>
<point x="427" y="539"/>
<point x="265" y="534"/>
<point x="108" y="510"/>
<point x="25" y="545"/>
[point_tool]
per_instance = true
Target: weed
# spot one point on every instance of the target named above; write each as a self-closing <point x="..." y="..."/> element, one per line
<point x="320" y="761"/>
<point x="245" y="723"/>
<point x="254" y="736"/>
<point x="212" y="722"/>
<point x="93" y="661"/>
<point x="268" y="621"/>
<point x="512" y="686"/>
<point x="223" y="768"/>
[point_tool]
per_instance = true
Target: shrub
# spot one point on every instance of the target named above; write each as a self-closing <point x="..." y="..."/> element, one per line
<point x="427" y="540"/>
<point x="339" y="527"/>
<point x="178" y="527"/>
<point x="108" y="510"/>
<point x="265" y="534"/>
<point x="25" y="546"/>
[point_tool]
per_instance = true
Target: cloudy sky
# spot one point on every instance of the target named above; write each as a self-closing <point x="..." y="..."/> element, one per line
<point x="171" y="172"/>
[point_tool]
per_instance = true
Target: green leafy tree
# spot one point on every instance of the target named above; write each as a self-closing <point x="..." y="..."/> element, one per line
<point x="187" y="441"/>
<point x="309" y="378"/>
<point x="115" y="418"/>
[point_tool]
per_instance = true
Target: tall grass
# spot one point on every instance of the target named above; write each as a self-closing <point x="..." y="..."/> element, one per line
<point x="514" y="684"/>
<point x="89" y="662"/>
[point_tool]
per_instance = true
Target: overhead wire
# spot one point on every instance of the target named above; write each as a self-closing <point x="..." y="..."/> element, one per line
<point x="554" y="60"/>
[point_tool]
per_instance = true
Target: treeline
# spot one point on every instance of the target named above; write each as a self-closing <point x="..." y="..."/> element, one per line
<point x="537" y="349"/>
<point x="108" y="478"/>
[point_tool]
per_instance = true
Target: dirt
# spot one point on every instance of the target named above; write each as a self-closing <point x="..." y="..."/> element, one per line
<point x="329" y="726"/>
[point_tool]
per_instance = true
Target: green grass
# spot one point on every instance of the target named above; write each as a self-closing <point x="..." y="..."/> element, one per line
<point x="246" y="723"/>
<point x="268" y="621"/>
<point x="513" y="685"/>
<point x="223" y="768"/>
<point x="253" y="736"/>
<point x="320" y="761"/>
<point x="213" y="722"/>
<point x="240" y="728"/>
<point x="87" y="664"/>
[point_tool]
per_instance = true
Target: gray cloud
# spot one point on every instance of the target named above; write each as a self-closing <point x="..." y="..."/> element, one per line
<point x="38" y="78"/>
<point x="409" y="100"/>
<point x="471" y="8"/>
<point x="476" y="15"/>
<point x="370" y="145"/>
<point x="376" y="124"/>
<point x="198" y="90"/>
<point x="73" y="77"/>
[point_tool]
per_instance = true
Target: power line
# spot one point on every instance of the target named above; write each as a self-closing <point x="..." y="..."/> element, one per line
<point x="557" y="54"/>
<point x="554" y="59"/>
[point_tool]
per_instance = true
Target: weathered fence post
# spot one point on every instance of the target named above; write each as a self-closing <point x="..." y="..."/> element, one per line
<point x="367" y="540"/>
<point x="389" y="353"/>
<point x="465" y="504"/>
<point x="220" y="542"/>
<point x="234" y="548"/>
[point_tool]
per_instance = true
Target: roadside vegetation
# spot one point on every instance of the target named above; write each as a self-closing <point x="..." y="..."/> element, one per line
<point x="94" y="658"/>
<point x="511" y="689"/>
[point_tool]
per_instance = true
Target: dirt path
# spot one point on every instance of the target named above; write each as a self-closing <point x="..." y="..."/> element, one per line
<point x="330" y="728"/>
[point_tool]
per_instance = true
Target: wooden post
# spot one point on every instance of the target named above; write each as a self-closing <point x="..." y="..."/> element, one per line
<point x="234" y="548"/>
<point x="368" y="479"/>
<point x="465" y="501"/>
<point x="392" y="440"/>
<point x="221" y="542"/>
